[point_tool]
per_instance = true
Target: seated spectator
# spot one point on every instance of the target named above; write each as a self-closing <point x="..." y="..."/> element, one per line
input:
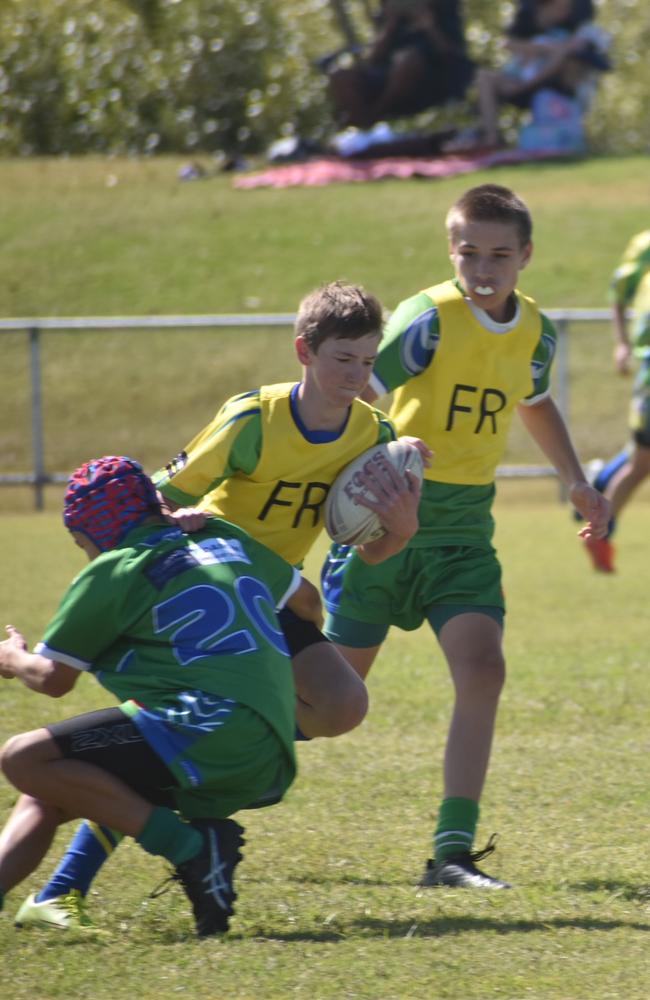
<point x="554" y="47"/>
<point x="417" y="60"/>
<point x="530" y="17"/>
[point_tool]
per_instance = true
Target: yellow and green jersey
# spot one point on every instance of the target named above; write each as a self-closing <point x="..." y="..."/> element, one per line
<point x="630" y="286"/>
<point x="457" y="377"/>
<point x="258" y="466"/>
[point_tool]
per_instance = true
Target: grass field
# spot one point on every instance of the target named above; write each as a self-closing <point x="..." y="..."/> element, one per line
<point x="104" y="237"/>
<point x="328" y="908"/>
<point x="94" y="237"/>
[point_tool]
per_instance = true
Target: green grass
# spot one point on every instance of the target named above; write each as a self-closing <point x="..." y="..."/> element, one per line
<point x="103" y="237"/>
<point x="328" y="907"/>
<point x="96" y="237"/>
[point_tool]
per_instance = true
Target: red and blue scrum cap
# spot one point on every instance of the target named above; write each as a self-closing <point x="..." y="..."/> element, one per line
<point x="106" y="498"/>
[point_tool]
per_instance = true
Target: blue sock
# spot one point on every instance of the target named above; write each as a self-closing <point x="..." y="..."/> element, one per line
<point x="610" y="469"/>
<point x="89" y="849"/>
<point x="299" y="736"/>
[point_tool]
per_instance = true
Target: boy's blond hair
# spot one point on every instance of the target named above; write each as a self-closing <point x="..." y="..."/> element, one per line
<point x="491" y="203"/>
<point x="337" y="310"/>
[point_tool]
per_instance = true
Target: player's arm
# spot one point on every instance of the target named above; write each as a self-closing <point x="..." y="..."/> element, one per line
<point x="35" y="671"/>
<point x="622" y="346"/>
<point x="546" y="426"/>
<point x="88" y="620"/>
<point x="229" y="444"/>
<point x="188" y="519"/>
<point x="622" y="289"/>
<point x="407" y="347"/>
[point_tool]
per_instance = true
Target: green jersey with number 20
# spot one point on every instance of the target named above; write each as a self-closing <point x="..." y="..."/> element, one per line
<point x="167" y="613"/>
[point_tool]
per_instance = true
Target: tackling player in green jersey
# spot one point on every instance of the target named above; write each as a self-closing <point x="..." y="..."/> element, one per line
<point x="182" y="631"/>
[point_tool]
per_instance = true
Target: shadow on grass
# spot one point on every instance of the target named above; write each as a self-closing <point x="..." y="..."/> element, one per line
<point x="455" y="925"/>
<point x="623" y="890"/>
<point x="439" y="927"/>
<point x="408" y="927"/>
<point x="330" y="880"/>
<point x="172" y="937"/>
<point x="52" y="941"/>
<point x="371" y="928"/>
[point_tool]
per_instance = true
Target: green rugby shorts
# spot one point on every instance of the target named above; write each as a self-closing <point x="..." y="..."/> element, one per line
<point x="417" y="585"/>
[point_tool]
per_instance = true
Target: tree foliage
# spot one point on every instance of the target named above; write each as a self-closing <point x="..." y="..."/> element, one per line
<point x="144" y="76"/>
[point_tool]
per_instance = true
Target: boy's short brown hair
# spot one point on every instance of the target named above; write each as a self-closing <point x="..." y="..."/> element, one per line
<point x="337" y="310"/>
<point x="491" y="203"/>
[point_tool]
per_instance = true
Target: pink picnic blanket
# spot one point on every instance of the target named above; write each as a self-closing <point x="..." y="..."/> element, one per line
<point x="332" y="170"/>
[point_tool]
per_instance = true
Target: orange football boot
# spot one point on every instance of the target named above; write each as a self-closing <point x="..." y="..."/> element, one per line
<point x="601" y="553"/>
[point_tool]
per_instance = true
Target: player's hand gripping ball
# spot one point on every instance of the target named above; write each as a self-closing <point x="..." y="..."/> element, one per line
<point x="348" y="522"/>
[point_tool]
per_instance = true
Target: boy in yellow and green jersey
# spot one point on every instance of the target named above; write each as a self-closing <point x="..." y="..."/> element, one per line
<point x="460" y="358"/>
<point x="619" y="478"/>
<point x="267" y="461"/>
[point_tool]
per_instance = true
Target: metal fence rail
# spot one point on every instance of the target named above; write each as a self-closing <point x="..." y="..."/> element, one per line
<point x="34" y="328"/>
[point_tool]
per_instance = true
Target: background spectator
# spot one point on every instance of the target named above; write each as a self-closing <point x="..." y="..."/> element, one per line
<point x="554" y="46"/>
<point x="418" y="59"/>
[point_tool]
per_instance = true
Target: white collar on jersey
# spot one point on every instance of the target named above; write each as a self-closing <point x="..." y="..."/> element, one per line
<point x="491" y="324"/>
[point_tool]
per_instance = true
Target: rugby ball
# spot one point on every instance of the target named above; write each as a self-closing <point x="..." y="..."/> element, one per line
<point x="350" y="523"/>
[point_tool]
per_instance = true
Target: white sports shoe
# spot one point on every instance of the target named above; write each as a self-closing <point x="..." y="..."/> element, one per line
<point x="593" y="469"/>
<point x="62" y="913"/>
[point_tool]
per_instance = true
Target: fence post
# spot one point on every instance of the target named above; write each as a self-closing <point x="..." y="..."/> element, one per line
<point x="37" y="416"/>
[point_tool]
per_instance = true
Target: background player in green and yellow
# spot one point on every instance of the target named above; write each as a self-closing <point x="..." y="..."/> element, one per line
<point x="622" y="475"/>
<point x="460" y="358"/>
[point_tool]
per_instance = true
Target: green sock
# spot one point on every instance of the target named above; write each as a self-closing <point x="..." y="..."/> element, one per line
<point x="2" y="899"/>
<point x="457" y="821"/>
<point x="166" y="834"/>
